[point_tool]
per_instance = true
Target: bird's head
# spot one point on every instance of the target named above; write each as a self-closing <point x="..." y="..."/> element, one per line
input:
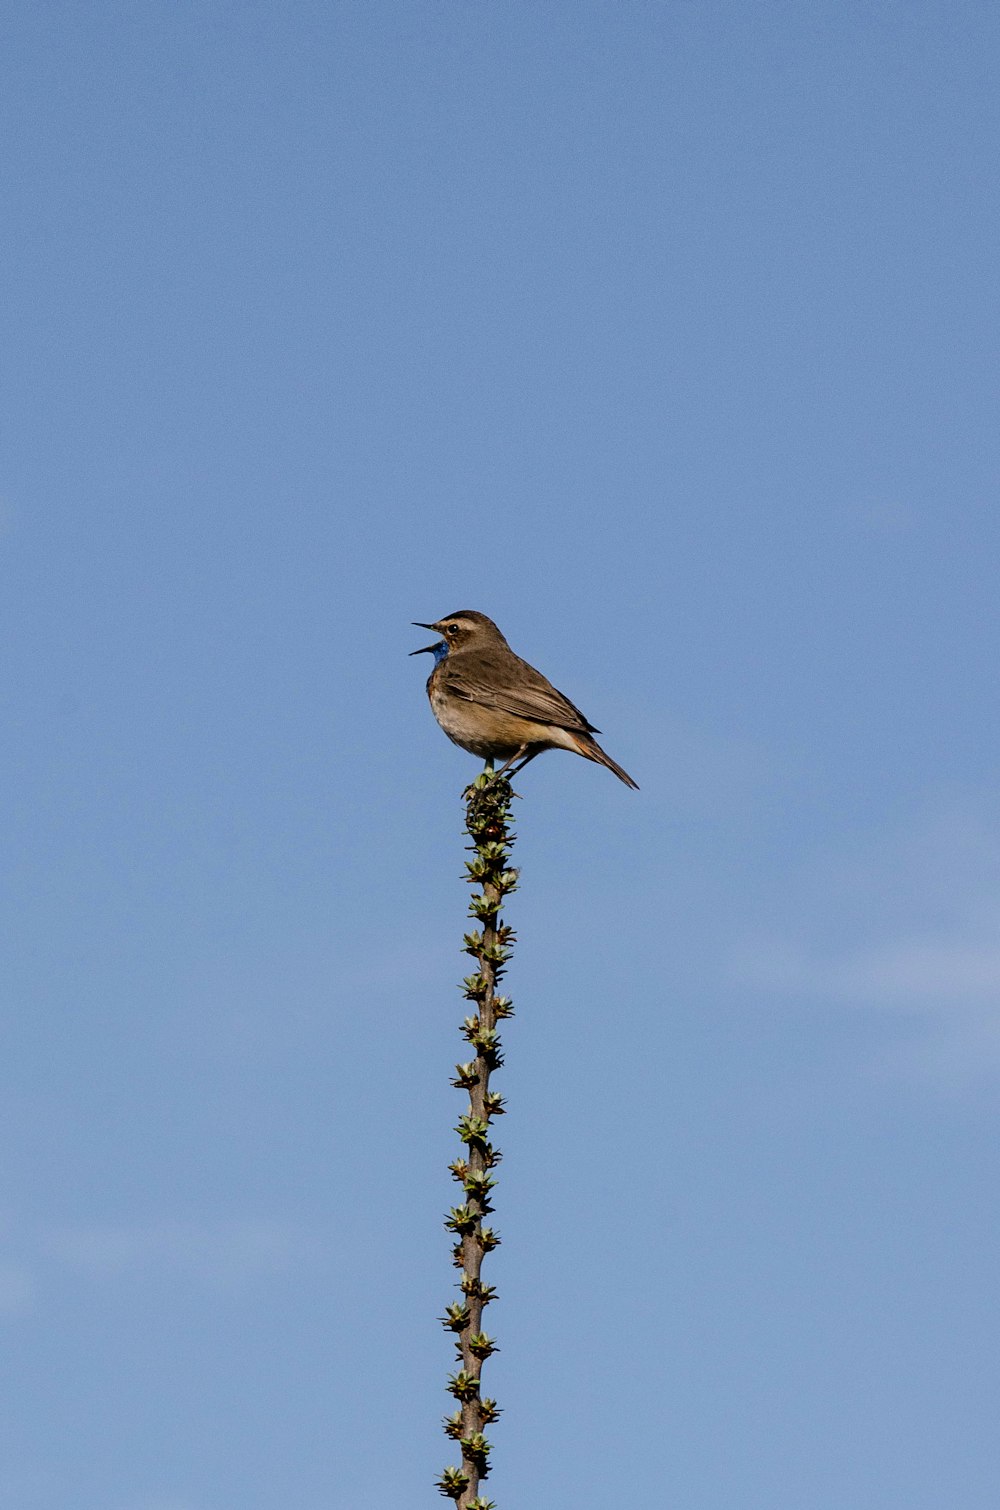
<point x="464" y="630"/>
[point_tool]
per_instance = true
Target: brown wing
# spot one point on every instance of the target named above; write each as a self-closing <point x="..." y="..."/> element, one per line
<point x="508" y="683"/>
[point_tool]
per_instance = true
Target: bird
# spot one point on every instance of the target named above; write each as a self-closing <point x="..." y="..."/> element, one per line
<point x="495" y="705"/>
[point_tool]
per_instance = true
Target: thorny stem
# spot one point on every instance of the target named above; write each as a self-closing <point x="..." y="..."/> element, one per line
<point x="488" y="825"/>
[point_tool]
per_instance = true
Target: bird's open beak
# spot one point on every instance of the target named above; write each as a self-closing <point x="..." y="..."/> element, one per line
<point x="424" y="649"/>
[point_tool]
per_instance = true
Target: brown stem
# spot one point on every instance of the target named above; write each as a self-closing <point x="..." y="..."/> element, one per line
<point x="487" y="816"/>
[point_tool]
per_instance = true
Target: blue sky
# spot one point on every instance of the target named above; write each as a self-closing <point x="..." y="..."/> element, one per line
<point x="666" y="334"/>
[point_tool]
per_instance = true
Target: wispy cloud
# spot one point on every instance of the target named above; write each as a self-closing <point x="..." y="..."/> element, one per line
<point x="220" y="1253"/>
<point x="882" y="511"/>
<point x="229" y="1256"/>
<point x="694" y="769"/>
<point x="163" y="1502"/>
<point x="909" y="925"/>
<point x="17" y="1290"/>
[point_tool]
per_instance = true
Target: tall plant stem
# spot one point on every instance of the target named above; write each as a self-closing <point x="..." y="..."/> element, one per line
<point x="487" y="823"/>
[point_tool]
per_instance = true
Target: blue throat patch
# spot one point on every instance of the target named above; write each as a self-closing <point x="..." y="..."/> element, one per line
<point x="439" y="652"/>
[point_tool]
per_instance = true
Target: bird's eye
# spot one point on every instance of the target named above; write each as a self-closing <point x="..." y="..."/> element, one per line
<point x="451" y="629"/>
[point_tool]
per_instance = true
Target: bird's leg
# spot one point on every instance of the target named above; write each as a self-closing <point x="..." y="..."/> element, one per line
<point x="511" y="767"/>
<point x="508" y="763"/>
<point x="536" y="751"/>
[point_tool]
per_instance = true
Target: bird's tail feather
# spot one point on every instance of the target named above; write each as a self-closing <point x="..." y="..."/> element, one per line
<point x="592" y="750"/>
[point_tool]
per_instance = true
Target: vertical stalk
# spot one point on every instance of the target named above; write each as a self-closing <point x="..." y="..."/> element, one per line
<point x="488" y="826"/>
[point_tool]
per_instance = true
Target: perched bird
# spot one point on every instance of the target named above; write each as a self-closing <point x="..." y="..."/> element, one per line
<point x="495" y="705"/>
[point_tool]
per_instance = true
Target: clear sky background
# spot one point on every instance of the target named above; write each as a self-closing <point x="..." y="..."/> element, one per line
<point x="667" y="335"/>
